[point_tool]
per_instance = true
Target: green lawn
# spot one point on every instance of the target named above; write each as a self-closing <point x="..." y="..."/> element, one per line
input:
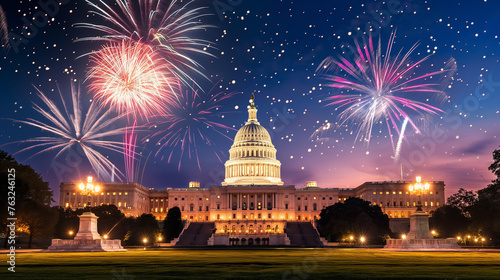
<point x="290" y="264"/>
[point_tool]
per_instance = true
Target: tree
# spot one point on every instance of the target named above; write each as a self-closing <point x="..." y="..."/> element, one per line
<point x="38" y="220"/>
<point x="463" y="200"/>
<point x="485" y="213"/>
<point x="449" y="221"/>
<point x="30" y="189"/>
<point x="354" y="217"/>
<point x="172" y="225"/>
<point x="111" y="221"/>
<point x="145" y="228"/>
<point x="67" y="221"/>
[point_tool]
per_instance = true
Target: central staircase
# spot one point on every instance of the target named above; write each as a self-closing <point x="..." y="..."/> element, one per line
<point x="196" y="234"/>
<point x="303" y="234"/>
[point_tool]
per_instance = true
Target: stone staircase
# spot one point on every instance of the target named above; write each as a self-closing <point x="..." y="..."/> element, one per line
<point x="195" y="235"/>
<point x="303" y="234"/>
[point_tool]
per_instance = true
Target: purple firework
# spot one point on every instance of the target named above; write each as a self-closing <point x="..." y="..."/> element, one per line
<point x="190" y="121"/>
<point x="380" y="85"/>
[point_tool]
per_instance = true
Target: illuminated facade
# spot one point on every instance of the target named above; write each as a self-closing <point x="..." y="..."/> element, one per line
<point x="252" y="199"/>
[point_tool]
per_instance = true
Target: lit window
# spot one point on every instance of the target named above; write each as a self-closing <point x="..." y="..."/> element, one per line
<point x="206" y="198"/>
<point x="314" y="197"/>
<point x="380" y="192"/>
<point x="67" y="204"/>
<point x="114" y="193"/>
<point x="400" y="192"/>
<point x="393" y="192"/>
<point x="73" y="193"/>
<point x="407" y="203"/>
<point x="386" y="192"/>
<point x="432" y="203"/>
<point x="107" y="194"/>
<point x="437" y="203"/>
<point x="218" y="196"/>
<point x="426" y="203"/>
<point x="125" y="204"/>
<point x="119" y="204"/>
<point x="126" y="193"/>
<point x="119" y="193"/>
<point x="430" y="192"/>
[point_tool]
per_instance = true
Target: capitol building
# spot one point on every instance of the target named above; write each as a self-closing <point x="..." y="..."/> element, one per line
<point x="253" y="205"/>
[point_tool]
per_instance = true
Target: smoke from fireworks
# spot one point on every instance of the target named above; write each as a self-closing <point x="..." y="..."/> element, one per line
<point x="73" y="127"/>
<point x="131" y="78"/>
<point x="4" y="30"/>
<point x="164" y="25"/>
<point x="378" y="83"/>
<point x="189" y="122"/>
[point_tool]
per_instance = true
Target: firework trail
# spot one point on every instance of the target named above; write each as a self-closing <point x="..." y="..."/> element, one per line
<point x="4" y="30"/>
<point x="131" y="78"/>
<point x="164" y="25"/>
<point x="189" y="121"/>
<point x="378" y="83"/>
<point x="73" y="127"/>
<point x="401" y="136"/>
<point x="129" y="146"/>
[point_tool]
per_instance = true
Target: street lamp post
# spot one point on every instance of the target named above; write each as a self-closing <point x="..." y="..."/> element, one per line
<point x="419" y="189"/>
<point x="419" y="220"/>
<point x="89" y="189"/>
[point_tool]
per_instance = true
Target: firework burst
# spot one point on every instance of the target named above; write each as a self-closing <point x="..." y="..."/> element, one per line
<point x="379" y="85"/>
<point x="73" y="127"/>
<point x="131" y="78"/>
<point x="189" y="122"/>
<point x="164" y="25"/>
<point x="4" y="30"/>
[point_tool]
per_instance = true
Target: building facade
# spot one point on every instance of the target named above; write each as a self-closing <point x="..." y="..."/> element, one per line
<point x="252" y="199"/>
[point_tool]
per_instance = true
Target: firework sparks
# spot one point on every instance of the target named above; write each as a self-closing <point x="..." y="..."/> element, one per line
<point x="131" y="78"/>
<point x="191" y="120"/>
<point x="400" y="141"/>
<point x="378" y="83"/>
<point x="164" y="25"/>
<point x="4" y="30"/>
<point x="129" y="146"/>
<point x="74" y="127"/>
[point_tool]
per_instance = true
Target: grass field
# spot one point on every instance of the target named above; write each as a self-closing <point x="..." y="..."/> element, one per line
<point x="257" y="264"/>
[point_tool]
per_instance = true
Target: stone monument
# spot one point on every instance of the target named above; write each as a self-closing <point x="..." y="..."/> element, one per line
<point x="87" y="239"/>
<point x="420" y="237"/>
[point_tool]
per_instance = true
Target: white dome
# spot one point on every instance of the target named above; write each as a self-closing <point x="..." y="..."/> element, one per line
<point x="252" y="157"/>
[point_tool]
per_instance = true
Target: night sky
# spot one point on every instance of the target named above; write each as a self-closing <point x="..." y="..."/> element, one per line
<point x="273" y="49"/>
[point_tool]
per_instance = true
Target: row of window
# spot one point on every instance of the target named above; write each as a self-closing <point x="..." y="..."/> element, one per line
<point x="400" y="192"/>
<point x="109" y="193"/>
<point x="394" y="204"/>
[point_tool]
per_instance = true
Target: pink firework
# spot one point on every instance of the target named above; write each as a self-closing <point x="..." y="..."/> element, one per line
<point x="189" y="123"/>
<point x="165" y="25"/>
<point x="380" y="86"/>
<point x="131" y="78"/>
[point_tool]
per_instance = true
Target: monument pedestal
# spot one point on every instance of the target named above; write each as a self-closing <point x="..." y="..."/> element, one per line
<point x="420" y="237"/>
<point x="87" y="239"/>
